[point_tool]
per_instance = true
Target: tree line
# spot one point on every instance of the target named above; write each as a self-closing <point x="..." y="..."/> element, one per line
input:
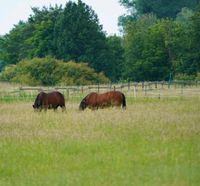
<point x="158" y="41"/>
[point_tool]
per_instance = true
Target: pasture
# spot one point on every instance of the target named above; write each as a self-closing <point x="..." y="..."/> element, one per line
<point x="152" y="142"/>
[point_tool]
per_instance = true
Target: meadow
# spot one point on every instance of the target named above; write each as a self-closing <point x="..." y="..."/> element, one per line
<point x="152" y="142"/>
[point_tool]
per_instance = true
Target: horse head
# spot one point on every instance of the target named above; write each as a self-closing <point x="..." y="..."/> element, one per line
<point x="83" y="105"/>
<point x="38" y="101"/>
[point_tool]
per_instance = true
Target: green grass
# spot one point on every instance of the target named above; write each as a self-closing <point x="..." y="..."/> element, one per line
<point x="152" y="142"/>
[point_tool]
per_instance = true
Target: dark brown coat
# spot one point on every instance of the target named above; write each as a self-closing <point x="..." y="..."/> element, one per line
<point x="50" y="100"/>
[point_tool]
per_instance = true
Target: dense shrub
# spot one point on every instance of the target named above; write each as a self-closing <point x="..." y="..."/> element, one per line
<point x="184" y="77"/>
<point x="50" y="71"/>
<point x="198" y="76"/>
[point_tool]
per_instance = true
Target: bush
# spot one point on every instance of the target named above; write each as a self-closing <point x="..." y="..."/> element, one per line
<point x="184" y="77"/>
<point x="50" y="71"/>
<point x="198" y="76"/>
<point x="8" y="73"/>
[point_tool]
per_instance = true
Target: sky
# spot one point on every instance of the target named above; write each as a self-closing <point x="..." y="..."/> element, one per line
<point x="12" y="11"/>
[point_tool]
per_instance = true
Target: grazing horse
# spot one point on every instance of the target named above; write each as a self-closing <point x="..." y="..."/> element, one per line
<point x="95" y="100"/>
<point x="49" y="100"/>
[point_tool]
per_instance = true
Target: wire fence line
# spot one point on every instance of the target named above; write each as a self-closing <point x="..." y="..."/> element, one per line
<point x="158" y="89"/>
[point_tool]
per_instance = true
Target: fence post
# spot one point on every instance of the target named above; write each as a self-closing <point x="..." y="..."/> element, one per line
<point x="149" y="84"/>
<point x="168" y="85"/>
<point x="181" y="89"/>
<point x="67" y="90"/>
<point x="143" y="85"/>
<point x="20" y="89"/>
<point x="134" y="90"/>
<point x="145" y="89"/>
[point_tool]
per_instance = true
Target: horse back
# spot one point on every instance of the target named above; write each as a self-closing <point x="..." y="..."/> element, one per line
<point x="115" y="98"/>
<point x="55" y="98"/>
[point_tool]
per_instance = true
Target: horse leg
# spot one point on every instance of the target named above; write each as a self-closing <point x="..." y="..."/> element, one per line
<point x="40" y="109"/>
<point x="55" y="108"/>
<point x="45" y="107"/>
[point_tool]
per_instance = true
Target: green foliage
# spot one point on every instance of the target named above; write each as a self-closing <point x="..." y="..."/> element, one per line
<point x="147" y="45"/>
<point x="69" y="33"/>
<point x="184" y="77"/>
<point x="49" y="71"/>
<point x="150" y="49"/>
<point x="12" y="44"/>
<point x="8" y="73"/>
<point x="79" y="37"/>
<point x="194" y="56"/>
<point x="154" y="49"/>
<point x="72" y="73"/>
<point x="198" y="76"/>
<point x="161" y="8"/>
<point x="41" y="41"/>
<point x="116" y="57"/>
<point x="184" y="16"/>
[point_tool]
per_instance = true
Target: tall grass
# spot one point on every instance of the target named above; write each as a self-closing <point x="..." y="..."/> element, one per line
<point x="152" y="142"/>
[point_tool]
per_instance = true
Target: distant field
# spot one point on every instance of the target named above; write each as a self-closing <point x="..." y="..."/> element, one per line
<point x="152" y="142"/>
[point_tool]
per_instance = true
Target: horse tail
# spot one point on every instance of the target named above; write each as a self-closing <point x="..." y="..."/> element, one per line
<point x="62" y="101"/>
<point x="123" y="101"/>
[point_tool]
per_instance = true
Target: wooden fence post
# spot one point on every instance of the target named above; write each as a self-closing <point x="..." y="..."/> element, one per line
<point x="168" y="85"/>
<point x="134" y="91"/>
<point x="67" y="90"/>
<point x="181" y="89"/>
<point x="145" y="89"/>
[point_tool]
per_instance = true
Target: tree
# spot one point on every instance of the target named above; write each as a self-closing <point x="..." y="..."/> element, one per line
<point x="79" y="36"/>
<point x="11" y="44"/>
<point x="69" y="33"/>
<point x="135" y="41"/>
<point x="161" y="8"/>
<point x="33" y="38"/>
<point x="184" y="16"/>
<point x="154" y="51"/>
<point x="116" y="57"/>
<point x="193" y="57"/>
<point x="41" y="42"/>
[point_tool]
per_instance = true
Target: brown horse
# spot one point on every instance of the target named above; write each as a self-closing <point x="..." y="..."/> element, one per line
<point x="49" y="100"/>
<point x="95" y="100"/>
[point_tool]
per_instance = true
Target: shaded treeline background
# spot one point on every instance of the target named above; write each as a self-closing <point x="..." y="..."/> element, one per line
<point x="159" y="41"/>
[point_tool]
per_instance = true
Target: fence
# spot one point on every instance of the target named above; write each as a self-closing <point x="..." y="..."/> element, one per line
<point x="157" y="89"/>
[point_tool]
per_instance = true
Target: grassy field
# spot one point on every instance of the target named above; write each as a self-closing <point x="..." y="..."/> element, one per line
<point x="152" y="142"/>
